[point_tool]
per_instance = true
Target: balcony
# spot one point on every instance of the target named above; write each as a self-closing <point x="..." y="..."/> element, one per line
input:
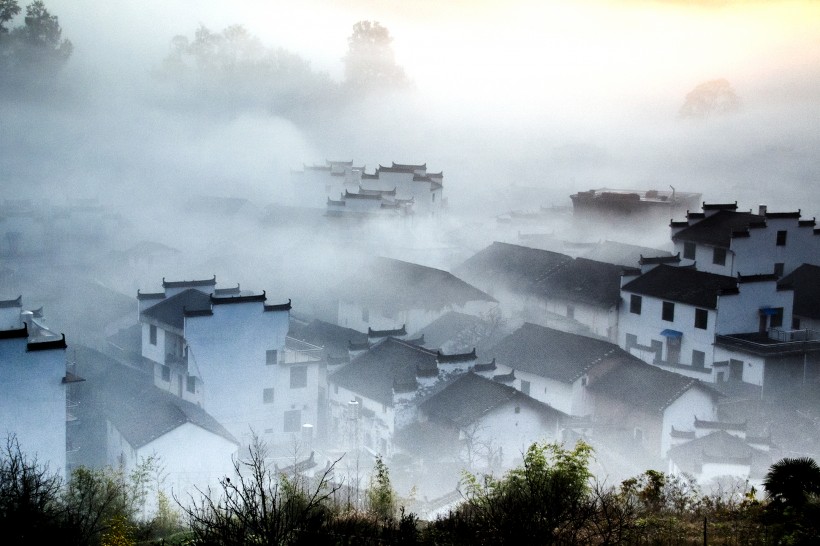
<point x="776" y="341"/>
<point x="297" y="351"/>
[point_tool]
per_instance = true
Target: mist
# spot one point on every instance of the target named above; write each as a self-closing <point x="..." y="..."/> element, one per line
<point x="519" y="105"/>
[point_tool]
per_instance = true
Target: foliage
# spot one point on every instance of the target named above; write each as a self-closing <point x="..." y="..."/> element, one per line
<point x="715" y="97"/>
<point x="258" y="506"/>
<point x="31" y="54"/>
<point x="537" y="502"/>
<point x="793" y="489"/>
<point x="30" y="512"/>
<point x="370" y="63"/>
<point x="232" y="69"/>
<point x="381" y="497"/>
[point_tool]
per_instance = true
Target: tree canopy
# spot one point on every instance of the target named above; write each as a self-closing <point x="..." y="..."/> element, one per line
<point x="370" y="63"/>
<point x="31" y="54"/>
<point x="233" y="69"/>
<point x="715" y="97"/>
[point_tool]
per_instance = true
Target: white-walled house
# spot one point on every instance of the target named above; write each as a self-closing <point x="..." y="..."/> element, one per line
<point x="227" y="350"/>
<point x="33" y="380"/>
<point x="489" y="424"/>
<point x="553" y="366"/>
<point x="643" y="404"/>
<point x="377" y="393"/>
<point x="724" y="241"/>
<point x="388" y="294"/>
<point x="671" y="317"/>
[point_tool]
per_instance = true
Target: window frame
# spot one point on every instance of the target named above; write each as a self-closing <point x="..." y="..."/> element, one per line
<point x="268" y="395"/>
<point x="690" y="250"/>
<point x="298" y="377"/>
<point x="668" y="311"/>
<point x="701" y="319"/>
<point x="781" y="237"/>
<point x="719" y="255"/>
<point x="635" y="304"/>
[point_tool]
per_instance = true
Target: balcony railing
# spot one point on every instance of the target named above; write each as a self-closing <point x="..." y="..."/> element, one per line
<point x="775" y="341"/>
<point x="297" y="351"/>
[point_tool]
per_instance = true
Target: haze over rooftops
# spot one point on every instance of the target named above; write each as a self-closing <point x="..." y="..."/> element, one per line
<point x="716" y="230"/>
<point x="470" y="397"/>
<point x="722" y="448"/>
<point x="554" y="354"/>
<point x="171" y="311"/>
<point x="373" y="374"/>
<point x="645" y="386"/>
<point x="584" y="281"/>
<point x="683" y="285"/>
<point x="518" y="267"/>
<point x="391" y="284"/>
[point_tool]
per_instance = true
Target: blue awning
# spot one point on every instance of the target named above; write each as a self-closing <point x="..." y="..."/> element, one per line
<point x="671" y="333"/>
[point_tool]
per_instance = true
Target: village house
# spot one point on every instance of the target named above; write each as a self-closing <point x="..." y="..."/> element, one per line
<point x="553" y="366"/>
<point x="576" y="295"/>
<point x="376" y="394"/>
<point x="726" y="241"/>
<point x="673" y="317"/>
<point x="388" y="294"/>
<point x="636" y="406"/>
<point x="711" y="451"/>
<point x="33" y="382"/>
<point x="487" y="423"/>
<point x="227" y="350"/>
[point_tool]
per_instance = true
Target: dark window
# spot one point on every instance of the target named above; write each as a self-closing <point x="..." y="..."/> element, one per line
<point x="635" y="304"/>
<point x="267" y="396"/>
<point x="152" y="334"/>
<point x="698" y="358"/>
<point x="166" y="373"/>
<point x="271" y="357"/>
<point x="191" y="384"/>
<point x="735" y="370"/>
<point x="781" y="238"/>
<point x="778" y="269"/>
<point x="719" y="256"/>
<point x="298" y="377"/>
<point x="689" y="250"/>
<point x="656" y="347"/>
<point x="701" y="318"/>
<point x="293" y="420"/>
<point x="525" y="387"/>
<point x="776" y="320"/>
<point x="668" y="313"/>
<point x="631" y="340"/>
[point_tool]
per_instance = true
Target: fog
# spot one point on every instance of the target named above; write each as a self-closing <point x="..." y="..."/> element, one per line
<point x="519" y="105"/>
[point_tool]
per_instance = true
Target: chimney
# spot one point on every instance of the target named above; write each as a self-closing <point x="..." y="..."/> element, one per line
<point x="761" y="210"/>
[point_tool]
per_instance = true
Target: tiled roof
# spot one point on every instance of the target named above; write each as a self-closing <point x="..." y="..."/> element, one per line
<point x="468" y="398"/>
<point x="47" y="345"/>
<point x="17" y="302"/>
<point x="717" y="229"/>
<point x="722" y="447"/>
<point x="684" y="285"/>
<point x="393" y="285"/>
<point x="805" y="281"/>
<point x="583" y="281"/>
<point x="188" y="284"/>
<point x="409" y="166"/>
<point x="553" y="354"/>
<point x="139" y="410"/>
<point x="373" y="374"/>
<point x="330" y="336"/>
<point x="171" y="310"/>
<point x="644" y="386"/>
<point x="518" y="267"/>
<point x="627" y="255"/>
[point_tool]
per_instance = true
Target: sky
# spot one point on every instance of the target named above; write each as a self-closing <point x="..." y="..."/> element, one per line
<point x="559" y="95"/>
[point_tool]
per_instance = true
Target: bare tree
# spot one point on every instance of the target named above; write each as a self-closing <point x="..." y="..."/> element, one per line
<point x="257" y="506"/>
